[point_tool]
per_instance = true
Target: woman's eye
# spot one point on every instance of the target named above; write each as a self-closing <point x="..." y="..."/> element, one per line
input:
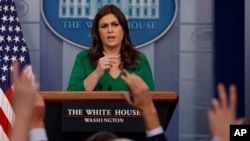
<point x="103" y="26"/>
<point x="115" y="24"/>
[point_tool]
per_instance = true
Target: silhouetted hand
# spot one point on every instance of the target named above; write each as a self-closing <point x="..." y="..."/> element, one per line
<point x="25" y="89"/>
<point x="140" y="98"/>
<point x="223" y="113"/>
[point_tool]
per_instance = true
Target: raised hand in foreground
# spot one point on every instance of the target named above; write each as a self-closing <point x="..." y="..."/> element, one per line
<point x="24" y="89"/>
<point x="223" y="113"/>
<point x="140" y="98"/>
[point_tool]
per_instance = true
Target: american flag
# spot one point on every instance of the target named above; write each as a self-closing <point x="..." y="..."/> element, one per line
<point x="12" y="48"/>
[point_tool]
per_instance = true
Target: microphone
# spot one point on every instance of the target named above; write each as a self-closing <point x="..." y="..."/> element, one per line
<point x="100" y="87"/>
<point x="109" y="87"/>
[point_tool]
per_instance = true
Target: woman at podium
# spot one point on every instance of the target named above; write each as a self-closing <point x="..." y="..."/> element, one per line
<point x="99" y="68"/>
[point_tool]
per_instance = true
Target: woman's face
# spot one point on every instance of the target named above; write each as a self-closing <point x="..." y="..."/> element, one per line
<point x="111" y="32"/>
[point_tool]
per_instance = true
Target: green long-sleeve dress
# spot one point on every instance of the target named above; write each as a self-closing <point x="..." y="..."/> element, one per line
<point x="83" y="67"/>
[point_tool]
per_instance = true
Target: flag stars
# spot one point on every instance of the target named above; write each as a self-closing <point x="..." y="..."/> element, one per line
<point x="1" y="38"/>
<point x="11" y="68"/>
<point x="4" y="18"/>
<point x="22" y="59"/>
<point x="17" y="19"/>
<point x="3" y="78"/>
<point x="9" y="38"/>
<point x="23" y="39"/>
<point x="15" y="49"/>
<point x="12" y="8"/>
<point x="7" y="48"/>
<point x="11" y="19"/>
<point x="23" y="49"/>
<point x="5" y="8"/>
<point x="16" y="39"/>
<point x="13" y="58"/>
<point x="3" y="28"/>
<point x="6" y="58"/>
<point x="12" y="44"/>
<point x="4" y="68"/>
<point x="18" y="29"/>
<point x="10" y="29"/>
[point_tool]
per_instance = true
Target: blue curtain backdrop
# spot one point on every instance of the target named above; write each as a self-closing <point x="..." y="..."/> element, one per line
<point x="229" y="46"/>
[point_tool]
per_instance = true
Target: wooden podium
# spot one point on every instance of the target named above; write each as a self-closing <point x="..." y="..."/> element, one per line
<point x="67" y="113"/>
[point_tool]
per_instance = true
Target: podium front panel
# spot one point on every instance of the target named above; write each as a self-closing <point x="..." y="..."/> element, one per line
<point x="66" y="115"/>
<point x="100" y="116"/>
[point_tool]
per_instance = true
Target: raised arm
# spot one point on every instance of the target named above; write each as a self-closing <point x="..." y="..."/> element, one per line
<point x="223" y="113"/>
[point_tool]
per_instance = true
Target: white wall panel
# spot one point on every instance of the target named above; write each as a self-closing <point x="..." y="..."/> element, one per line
<point x="149" y="52"/>
<point x="69" y="55"/>
<point x="196" y="66"/>
<point x="196" y="38"/>
<point x="31" y="33"/>
<point x="28" y="10"/>
<point x="196" y="11"/>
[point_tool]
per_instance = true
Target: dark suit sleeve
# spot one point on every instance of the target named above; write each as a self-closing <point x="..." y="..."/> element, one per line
<point x="159" y="137"/>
